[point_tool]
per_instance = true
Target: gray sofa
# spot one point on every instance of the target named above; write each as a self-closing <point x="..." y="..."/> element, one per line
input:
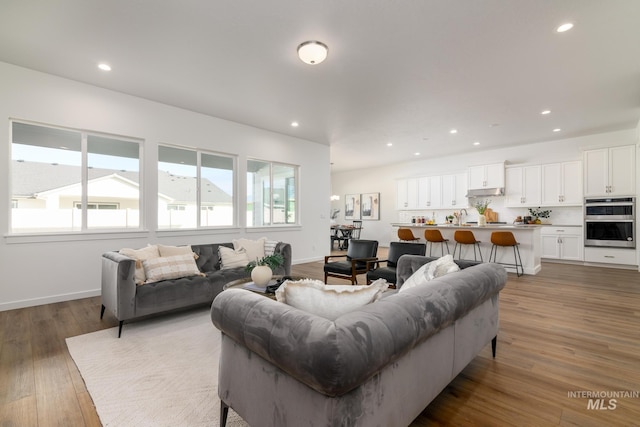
<point x="127" y="301"/>
<point x="379" y="365"/>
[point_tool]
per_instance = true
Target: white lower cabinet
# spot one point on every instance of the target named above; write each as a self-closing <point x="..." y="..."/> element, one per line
<point x="611" y="256"/>
<point x="561" y="243"/>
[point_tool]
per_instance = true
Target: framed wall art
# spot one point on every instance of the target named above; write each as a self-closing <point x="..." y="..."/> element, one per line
<point x="352" y="206"/>
<point x="370" y="206"/>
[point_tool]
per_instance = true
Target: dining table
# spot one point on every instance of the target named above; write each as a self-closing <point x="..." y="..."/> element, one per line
<point x="342" y="234"/>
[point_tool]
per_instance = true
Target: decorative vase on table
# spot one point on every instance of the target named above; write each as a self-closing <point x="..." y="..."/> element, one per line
<point x="482" y="220"/>
<point x="261" y="275"/>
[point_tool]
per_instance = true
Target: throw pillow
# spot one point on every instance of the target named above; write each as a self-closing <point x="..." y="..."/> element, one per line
<point x="270" y="247"/>
<point x="174" y="250"/>
<point x="140" y="255"/>
<point x="171" y="267"/>
<point x="232" y="258"/>
<point x="430" y="271"/>
<point x="254" y="248"/>
<point x="329" y="301"/>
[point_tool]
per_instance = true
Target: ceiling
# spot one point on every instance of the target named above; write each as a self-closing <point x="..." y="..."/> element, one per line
<point x="404" y="72"/>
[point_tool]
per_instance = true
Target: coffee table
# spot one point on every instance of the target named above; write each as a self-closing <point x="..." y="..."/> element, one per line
<point x="247" y="283"/>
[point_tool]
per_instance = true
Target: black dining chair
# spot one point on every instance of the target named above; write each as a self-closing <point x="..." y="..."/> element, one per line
<point x="351" y="264"/>
<point x="357" y="228"/>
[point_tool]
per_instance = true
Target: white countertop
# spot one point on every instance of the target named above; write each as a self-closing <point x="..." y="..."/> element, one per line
<point x="484" y="227"/>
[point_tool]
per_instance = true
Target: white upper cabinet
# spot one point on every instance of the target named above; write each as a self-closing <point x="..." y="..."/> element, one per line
<point x="407" y="194"/>
<point x="454" y="191"/>
<point x="610" y="171"/>
<point x="486" y="176"/>
<point x="429" y="192"/>
<point x="523" y="186"/>
<point x="562" y="184"/>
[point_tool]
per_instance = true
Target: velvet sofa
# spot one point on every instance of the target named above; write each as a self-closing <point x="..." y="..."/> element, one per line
<point x="128" y="300"/>
<point x="379" y="365"/>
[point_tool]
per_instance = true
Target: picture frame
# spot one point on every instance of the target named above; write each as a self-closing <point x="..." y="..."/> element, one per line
<point x="370" y="203"/>
<point x="352" y="206"/>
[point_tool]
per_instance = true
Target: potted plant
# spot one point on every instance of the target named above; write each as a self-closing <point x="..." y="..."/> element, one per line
<point x="481" y="207"/>
<point x="262" y="269"/>
<point x="538" y="213"/>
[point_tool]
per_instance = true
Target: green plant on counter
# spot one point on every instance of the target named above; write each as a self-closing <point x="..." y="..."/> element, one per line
<point x="482" y="205"/>
<point x="272" y="261"/>
<point x="539" y="213"/>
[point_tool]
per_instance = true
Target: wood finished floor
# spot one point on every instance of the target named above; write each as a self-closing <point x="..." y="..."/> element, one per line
<point x="566" y="329"/>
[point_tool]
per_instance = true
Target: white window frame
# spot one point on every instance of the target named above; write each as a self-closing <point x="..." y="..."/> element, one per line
<point x="296" y="175"/>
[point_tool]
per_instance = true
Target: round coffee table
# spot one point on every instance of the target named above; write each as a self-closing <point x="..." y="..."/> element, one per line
<point x="247" y="284"/>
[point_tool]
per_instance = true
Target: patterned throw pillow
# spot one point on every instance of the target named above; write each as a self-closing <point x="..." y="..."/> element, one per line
<point x="141" y="255"/>
<point x="171" y="267"/>
<point x="329" y="301"/>
<point x="430" y="271"/>
<point x="270" y="247"/>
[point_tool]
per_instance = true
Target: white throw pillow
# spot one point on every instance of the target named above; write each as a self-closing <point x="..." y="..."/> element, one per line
<point x="232" y="258"/>
<point x="430" y="271"/>
<point x="174" y="250"/>
<point x="329" y="301"/>
<point x="141" y="255"/>
<point x="254" y="248"/>
<point x="171" y="267"/>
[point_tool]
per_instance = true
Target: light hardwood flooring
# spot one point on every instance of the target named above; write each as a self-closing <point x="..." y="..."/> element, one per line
<point x="570" y="328"/>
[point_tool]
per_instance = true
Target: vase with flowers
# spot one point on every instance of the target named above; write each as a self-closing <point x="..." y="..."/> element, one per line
<point x="262" y="269"/>
<point x="481" y="207"/>
<point x="537" y="213"/>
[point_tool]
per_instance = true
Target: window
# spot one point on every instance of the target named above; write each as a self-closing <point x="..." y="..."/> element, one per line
<point x="271" y="194"/>
<point x="55" y="172"/>
<point x="195" y="189"/>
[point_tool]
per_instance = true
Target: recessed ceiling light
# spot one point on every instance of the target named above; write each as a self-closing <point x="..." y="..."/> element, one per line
<point x="476" y="143"/>
<point x="557" y="130"/>
<point x="104" y="67"/>
<point x="453" y="131"/>
<point x="545" y="112"/>
<point x="295" y="124"/>
<point x="564" y="27"/>
<point x="389" y="144"/>
<point x="416" y="154"/>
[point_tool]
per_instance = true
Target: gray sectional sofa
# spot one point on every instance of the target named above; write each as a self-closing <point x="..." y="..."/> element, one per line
<point x="127" y="301"/>
<point x="379" y="365"/>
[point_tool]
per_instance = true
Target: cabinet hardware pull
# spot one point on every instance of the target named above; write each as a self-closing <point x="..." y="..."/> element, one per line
<point x="609" y="256"/>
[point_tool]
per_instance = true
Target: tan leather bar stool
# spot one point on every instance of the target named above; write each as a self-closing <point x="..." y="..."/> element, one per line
<point x="434" y="236"/>
<point x="466" y="237"/>
<point x="406" y="235"/>
<point x="506" y="239"/>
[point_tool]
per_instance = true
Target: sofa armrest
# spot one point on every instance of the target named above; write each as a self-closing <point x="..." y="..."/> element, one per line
<point x="118" y="284"/>
<point x="284" y="249"/>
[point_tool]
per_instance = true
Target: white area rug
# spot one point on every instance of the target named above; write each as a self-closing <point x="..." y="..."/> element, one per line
<point x="162" y="372"/>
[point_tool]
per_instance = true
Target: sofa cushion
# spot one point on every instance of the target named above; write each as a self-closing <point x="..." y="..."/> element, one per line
<point x="140" y="255"/>
<point x="430" y="271"/>
<point x="328" y="301"/>
<point x="253" y="248"/>
<point x="171" y="267"/>
<point x="233" y="258"/>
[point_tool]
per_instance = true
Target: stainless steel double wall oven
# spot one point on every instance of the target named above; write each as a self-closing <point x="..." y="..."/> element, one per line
<point x="610" y="222"/>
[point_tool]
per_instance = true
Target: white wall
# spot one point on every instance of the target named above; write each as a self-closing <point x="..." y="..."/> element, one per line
<point x="36" y="270"/>
<point x="383" y="179"/>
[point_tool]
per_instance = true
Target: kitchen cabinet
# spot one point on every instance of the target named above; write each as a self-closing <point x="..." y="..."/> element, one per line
<point x="429" y="192"/>
<point x="611" y="256"/>
<point x="523" y="186"/>
<point x="454" y="191"/>
<point x="407" y="194"/>
<point x="610" y="171"/>
<point x="486" y="176"/>
<point x="562" y="184"/>
<point x="564" y="243"/>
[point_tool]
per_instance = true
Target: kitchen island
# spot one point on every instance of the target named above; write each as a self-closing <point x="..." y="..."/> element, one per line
<point x="527" y="235"/>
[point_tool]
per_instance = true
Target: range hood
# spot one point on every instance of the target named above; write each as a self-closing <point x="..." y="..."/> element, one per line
<point x="485" y="192"/>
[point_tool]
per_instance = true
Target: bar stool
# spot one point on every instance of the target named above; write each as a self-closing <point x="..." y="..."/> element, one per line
<point x="406" y="235"/>
<point x="466" y="237"/>
<point x="506" y="239"/>
<point x="434" y="236"/>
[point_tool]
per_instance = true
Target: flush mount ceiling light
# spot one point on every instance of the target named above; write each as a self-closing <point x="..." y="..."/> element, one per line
<point x="312" y="52"/>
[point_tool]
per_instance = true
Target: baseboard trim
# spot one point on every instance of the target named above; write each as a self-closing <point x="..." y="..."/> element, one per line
<point x="48" y="300"/>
